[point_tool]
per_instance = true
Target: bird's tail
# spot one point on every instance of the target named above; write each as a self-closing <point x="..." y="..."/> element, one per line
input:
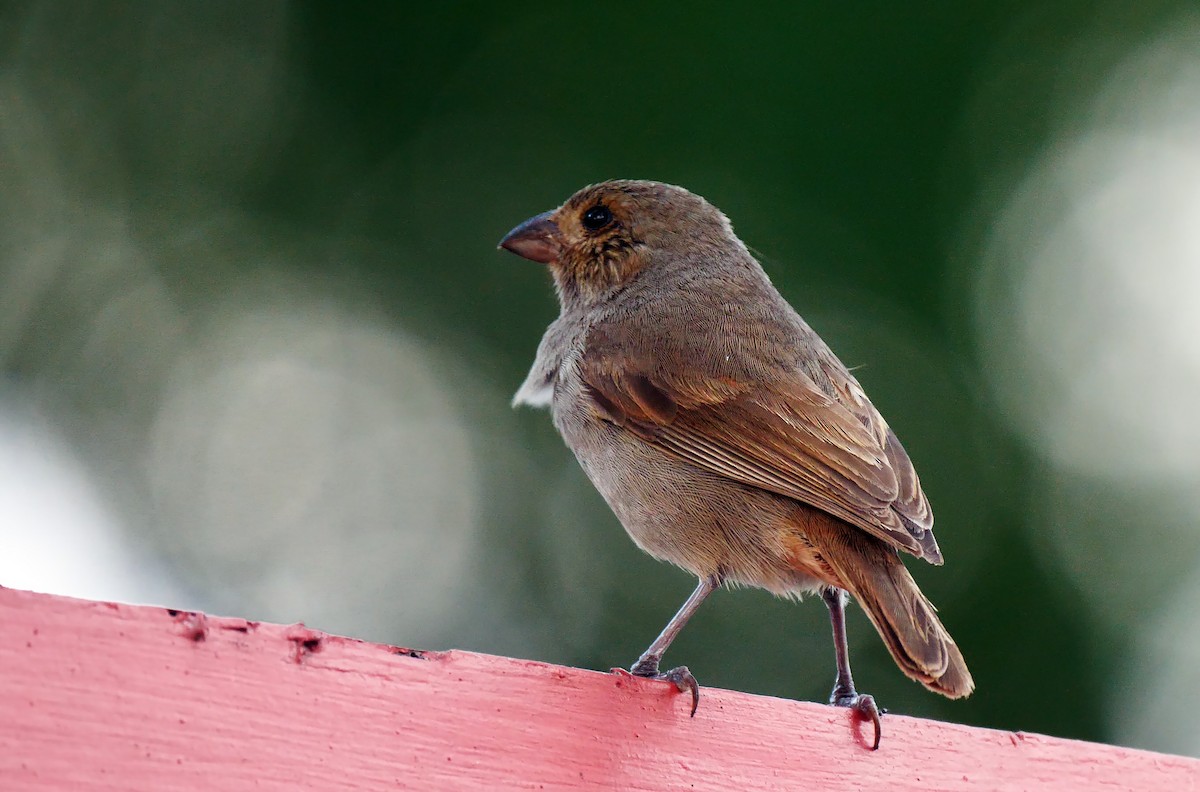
<point x="905" y="619"/>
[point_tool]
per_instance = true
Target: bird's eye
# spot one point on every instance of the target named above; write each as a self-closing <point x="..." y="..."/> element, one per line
<point x="597" y="217"/>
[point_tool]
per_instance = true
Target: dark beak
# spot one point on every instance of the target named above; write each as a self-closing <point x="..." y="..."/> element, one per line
<point x="537" y="239"/>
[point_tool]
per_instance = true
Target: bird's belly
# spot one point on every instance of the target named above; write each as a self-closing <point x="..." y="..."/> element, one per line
<point x="695" y="519"/>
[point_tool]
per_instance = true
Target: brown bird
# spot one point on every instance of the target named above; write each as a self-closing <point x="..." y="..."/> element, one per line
<point x="723" y="432"/>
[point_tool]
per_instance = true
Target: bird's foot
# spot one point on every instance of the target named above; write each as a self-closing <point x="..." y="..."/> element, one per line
<point x="866" y="708"/>
<point x="681" y="677"/>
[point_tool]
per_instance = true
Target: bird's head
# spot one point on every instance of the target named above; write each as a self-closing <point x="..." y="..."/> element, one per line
<point x="605" y="235"/>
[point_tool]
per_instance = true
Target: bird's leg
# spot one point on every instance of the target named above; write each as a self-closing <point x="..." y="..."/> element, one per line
<point x="647" y="664"/>
<point x="843" y="694"/>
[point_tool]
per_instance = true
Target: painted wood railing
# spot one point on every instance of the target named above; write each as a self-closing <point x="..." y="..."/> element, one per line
<point x="101" y="696"/>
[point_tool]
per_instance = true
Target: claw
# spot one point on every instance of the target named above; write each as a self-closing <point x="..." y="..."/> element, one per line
<point x="681" y="677"/>
<point x="866" y="708"/>
<point x="684" y="681"/>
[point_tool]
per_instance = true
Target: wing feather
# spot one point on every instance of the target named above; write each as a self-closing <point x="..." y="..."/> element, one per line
<point x="833" y="452"/>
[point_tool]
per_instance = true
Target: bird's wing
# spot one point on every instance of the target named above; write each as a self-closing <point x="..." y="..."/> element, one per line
<point x="788" y="436"/>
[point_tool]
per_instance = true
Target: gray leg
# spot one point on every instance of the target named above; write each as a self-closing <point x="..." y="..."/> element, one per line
<point x="844" y="694"/>
<point x="647" y="664"/>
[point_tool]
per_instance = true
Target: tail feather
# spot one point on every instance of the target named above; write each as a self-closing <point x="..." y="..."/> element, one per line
<point x="873" y="573"/>
<point x="914" y="635"/>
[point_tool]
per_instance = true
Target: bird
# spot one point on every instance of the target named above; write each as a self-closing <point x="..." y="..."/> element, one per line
<point x="723" y="432"/>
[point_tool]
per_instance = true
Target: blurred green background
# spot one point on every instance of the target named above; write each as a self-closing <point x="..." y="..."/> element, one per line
<point x="257" y="345"/>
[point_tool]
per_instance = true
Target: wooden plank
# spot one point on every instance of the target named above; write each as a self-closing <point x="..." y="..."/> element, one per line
<point x="99" y="696"/>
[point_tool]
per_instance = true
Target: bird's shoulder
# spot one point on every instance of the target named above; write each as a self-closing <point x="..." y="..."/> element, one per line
<point x="721" y="326"/>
